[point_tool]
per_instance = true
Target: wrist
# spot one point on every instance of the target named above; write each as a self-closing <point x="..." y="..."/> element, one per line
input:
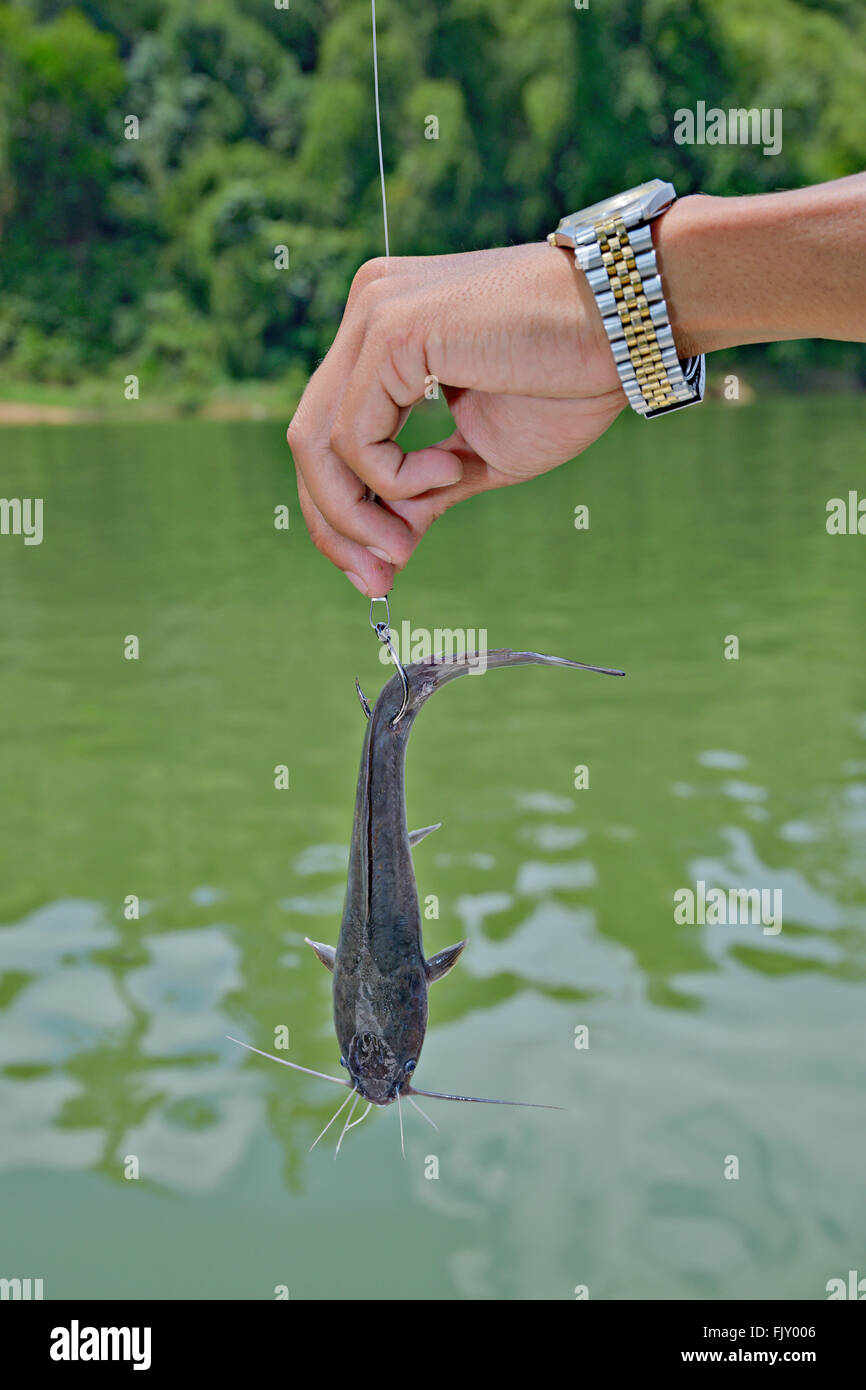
<point x="765" y="268"/>
<point x="704" y="262"/>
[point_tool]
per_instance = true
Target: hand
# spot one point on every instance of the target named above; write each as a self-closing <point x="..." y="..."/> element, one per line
<point x="515" y="341"/>
<point x="517" y="345"/>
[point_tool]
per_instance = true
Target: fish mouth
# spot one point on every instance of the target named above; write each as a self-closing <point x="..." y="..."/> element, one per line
<point x="377" y="1092"/>
<point x="373" y="1068"/>
<point x="379" y="1101"/>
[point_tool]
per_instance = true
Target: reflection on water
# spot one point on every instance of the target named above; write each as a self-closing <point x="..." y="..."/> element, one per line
<point x="155" y="779"/>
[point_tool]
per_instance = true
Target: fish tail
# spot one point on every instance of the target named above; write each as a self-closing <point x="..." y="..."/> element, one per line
<point x="503" y="656"/>
<point x="426" y="677"/>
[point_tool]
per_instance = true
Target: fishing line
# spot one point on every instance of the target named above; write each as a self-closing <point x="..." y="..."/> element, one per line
<point x="382" y="630"/>
<point x="379" y="126"/>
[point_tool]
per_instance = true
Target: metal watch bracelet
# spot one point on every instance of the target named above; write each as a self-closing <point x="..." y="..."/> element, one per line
<point x="620" y="265"/>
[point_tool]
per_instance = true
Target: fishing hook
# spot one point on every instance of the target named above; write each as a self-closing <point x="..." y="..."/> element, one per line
<point x="383" y="632"/>
<point x="362" y="697"/>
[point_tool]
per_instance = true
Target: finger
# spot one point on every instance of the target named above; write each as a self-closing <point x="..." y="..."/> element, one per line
<point x="370" y="576"/>
<point x="476" y="476"/>
<point x="512" y="439"/>
<point x="332" y="490"/>
<point x="340" y="495"/>
<point x="389" y="376"/>
<point x="342" y="500"/>
<point x="385" y="469"/>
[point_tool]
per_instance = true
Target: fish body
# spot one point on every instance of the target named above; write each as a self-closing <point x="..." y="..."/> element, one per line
<point x="381" y="974"/>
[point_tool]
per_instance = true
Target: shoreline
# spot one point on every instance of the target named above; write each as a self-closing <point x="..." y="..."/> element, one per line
<point x="96" y="403"/>
<point x="18" y="413"/>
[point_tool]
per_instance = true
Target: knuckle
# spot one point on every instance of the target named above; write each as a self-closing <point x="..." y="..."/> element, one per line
<point x="296" y="437"/>
<point x="380" y="310"/>
<point x="369" y="273"/>
<point x="404" y="355"/>
<point x="385" y="484"/>
<point x="318" y="534"/>
<point x="371" y="302"/>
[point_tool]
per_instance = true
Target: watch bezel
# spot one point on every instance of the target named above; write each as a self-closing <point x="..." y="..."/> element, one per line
<point x="650" y="200"/>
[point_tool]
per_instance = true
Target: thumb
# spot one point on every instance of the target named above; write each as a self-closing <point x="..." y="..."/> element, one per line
<point x="420" y="512"/>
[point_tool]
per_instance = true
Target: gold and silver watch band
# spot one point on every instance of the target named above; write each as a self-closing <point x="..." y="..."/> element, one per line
<point x="620" y="265"/>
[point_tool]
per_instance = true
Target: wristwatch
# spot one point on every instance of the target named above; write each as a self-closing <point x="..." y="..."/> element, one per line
<point x="613" y="246"/>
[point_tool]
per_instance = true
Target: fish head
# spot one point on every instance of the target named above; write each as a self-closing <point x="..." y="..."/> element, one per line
<point x="378" y="1073"/>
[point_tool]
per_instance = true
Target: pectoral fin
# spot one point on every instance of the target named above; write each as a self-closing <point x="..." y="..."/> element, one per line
<point x="325" y="953"/>
<point x="416" y="836"/>
<point x="441" y="963"/>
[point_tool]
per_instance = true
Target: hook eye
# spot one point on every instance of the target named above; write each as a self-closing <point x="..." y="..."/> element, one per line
<point x="383" y="632"/>
<point x="374" y="625"/>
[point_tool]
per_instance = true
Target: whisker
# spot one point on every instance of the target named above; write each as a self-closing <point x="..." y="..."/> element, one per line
<point x="360" y="1117"/>
<point x="400" y="1113"/>
<point x="484" y="1100"/>
<point x="346" y="1125"/>
<point x="422" y="1112"/>
<point x="331" y="1121"/>
<point x="340" y="1080"/>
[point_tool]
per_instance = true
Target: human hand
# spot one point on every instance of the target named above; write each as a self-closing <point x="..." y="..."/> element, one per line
<point x="514" y="340"/>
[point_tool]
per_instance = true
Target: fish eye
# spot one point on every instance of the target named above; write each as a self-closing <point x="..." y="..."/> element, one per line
<point x="410" y="1065"/>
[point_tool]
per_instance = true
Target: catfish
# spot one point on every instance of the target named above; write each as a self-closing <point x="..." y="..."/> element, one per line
<point x="381" y="975"/>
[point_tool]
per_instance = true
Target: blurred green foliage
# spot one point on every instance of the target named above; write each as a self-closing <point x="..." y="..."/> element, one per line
<point x="256" y="129"/>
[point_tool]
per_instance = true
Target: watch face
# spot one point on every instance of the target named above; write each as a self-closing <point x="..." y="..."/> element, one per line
<point x="648" y="199"/>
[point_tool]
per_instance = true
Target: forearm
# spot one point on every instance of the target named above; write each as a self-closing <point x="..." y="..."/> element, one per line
<point x="765" y="268"/>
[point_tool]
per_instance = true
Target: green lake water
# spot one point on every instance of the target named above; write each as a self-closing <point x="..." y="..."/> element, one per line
<point x="155" y="777"/>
